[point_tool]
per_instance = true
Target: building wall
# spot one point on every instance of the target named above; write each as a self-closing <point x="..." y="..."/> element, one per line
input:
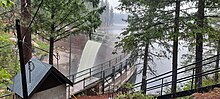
<point x="58" y="92"/>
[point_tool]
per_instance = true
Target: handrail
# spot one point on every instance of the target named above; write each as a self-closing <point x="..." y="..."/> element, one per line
<point x="180" y="70"/>
<point x="108" y="73"/>
<point x="121" y="68"/>
<point x="116" y="65"/>
<point x="99" y="65"/>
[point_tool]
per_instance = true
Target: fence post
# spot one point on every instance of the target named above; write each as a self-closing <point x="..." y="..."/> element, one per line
<point x="73" y="78"/>
<point x="192" y="78"/>
<point x="109" y="63"/>
<point x="101" y="67"/>
<point x="161" y="91"/>
<point x="22" y="64"/>
<point x="90" y="72"/>
<point x="103" y="82"/>
<point x="126" y="67"/>
<point x="121" y="68"/>
<point x="84" y="83"/>
<point x="129" y="62"/>
<point x="113" y="73"/>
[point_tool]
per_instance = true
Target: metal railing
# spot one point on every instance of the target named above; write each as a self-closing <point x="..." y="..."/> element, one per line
<point x="106" y="75"/>
<point x="85" y="74"/>
<point x="185" y="74"/>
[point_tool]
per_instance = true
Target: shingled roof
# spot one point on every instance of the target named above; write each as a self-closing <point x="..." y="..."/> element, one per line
<point x="40" y="76"/>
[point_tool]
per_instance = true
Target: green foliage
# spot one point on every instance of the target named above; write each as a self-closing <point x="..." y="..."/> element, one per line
<point x="206" y="81"/>
<point x="149" y="23"/>
<point x="44" y="47"/>
<point x="135" y="95"/>
<point x="4" y="78"/>
<point x="66" y="16"/>
<point x="8" y="54"/>
<point x="125" y="88"/>
<point x="6" y="3"/>
<point x="127" y="92"/>
<point x="153" y="21"/>
<point x="9" y="62"/>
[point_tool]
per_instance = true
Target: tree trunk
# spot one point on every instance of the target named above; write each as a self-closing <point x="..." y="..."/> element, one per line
<point x="25" y="32"/>
<point x="175" y="46"/>
<point x="199" y="43"/>
<point x="52" y="39"/>
<point x="51" y="49"/>
<point x="217" y="62"/>
<point x="144" y="75"/>
<point x="90" y="34"/>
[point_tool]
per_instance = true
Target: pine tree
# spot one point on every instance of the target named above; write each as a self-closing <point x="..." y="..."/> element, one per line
<point x="58" y="19"/>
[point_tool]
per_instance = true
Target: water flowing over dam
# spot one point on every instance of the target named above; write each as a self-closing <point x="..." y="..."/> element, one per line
<point x="89" y="55"/>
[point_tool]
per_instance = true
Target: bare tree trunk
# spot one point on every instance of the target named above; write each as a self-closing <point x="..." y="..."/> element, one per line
<point x="199" y="43"/>
<point x="51" y="49"/>
<point x="52" y="38"/>
<point x="175" y="47"/>
<point x="25" y="32"/>
<point x="144" y="75"/>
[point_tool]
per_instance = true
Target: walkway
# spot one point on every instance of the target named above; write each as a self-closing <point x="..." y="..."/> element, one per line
<point x="117" y="70"/>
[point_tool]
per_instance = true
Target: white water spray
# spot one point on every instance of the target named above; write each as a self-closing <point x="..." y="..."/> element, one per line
<point x="89" y="55"/>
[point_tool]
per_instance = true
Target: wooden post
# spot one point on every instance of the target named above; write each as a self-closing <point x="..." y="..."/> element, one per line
<point x="103" y="82"/>
<point x="22" y="64"/>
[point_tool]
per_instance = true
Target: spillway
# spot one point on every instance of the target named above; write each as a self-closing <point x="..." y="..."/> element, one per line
<point x="89" y="55"/>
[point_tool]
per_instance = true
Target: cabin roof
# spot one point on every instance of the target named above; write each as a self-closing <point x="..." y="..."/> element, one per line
<point x="40" y="76"/>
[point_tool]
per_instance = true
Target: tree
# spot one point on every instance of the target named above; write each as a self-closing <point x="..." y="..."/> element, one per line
<point x="175" y="46"/>
<point x="159" y="21"/>
<point x="215" y="43"/>
<point x="199" y="42"/>
<point x="58" y="19"/>
<point x="127" y="92"/>
<point x="25" y="30"/>
<point x="147" y="26"/>
<point x="198" y="27"/>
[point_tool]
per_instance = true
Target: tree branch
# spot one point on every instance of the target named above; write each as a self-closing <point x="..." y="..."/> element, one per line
<point x="66" y="16"/>
<point x="43" y="36"/>
<point x="69" y="29"/>
<point x="66" y="35"/>
<point x="213" y="16"/>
